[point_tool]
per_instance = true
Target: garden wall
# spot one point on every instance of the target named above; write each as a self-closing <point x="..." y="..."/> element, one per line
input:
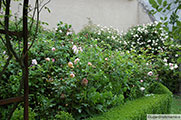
<point x="120" y="14"/>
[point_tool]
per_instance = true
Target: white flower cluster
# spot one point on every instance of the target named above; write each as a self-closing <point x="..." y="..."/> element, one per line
<point x="148" y="36"/>
<point x="171" y="65"/>
<point x="107" y="35"/>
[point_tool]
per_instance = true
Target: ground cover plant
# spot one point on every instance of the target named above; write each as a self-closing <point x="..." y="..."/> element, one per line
<point x="78" y="76"/>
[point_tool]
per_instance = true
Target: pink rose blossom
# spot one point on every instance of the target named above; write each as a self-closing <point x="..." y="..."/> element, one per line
<point x="80" y="49"/>
<point x="72" y="75"/>
<point x="62" y="96"/>
<point x="170" y="64"/>
<point x="53" y="49"/>
<point x="75" y="49"/>
<point x="53" y="60"/>
<point x="150" y="73"/>
<point x="47" y="59"/>
<point x="70" y="64"/>
<point x="89" y="63"/>
<point x="84" y="82"/>
<point x="141" y="81"/>
<point x="106" y="59"/>
<point x="76" y="60"/>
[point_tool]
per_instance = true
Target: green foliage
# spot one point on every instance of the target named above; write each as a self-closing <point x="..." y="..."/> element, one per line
<point x="63" y="116"/>
<point x="158" y="88"/>
<point x="139" y="108"/>
<point x="91" y="72"/>
<point x="96" y="79"/>
<point x="173" y="7"/>
<point x="19" y="114"/>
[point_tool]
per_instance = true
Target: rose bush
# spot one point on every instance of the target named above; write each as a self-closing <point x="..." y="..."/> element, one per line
<point x="88" y="73"/>
<point x="159" y="46"/>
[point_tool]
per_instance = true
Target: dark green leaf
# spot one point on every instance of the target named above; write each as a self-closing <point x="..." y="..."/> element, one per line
<point x="159" y="2"/>
<point x="47" y="9"/>
<point x="153" y="3"/>
<point x="160" y="9"/>
<point x="165" y="3"/>
<point x="168" y="7"/>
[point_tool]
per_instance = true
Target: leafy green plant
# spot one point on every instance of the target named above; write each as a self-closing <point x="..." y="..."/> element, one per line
<point x="165" y="7"/>
<point x="63" y="116"/>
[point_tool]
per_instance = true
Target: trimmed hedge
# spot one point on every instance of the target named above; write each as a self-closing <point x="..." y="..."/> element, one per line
<point x="158" y="103"/>
<point x="158" y="88"/>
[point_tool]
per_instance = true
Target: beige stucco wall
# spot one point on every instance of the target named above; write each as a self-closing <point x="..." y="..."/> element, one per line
<point x="120" y="14"/>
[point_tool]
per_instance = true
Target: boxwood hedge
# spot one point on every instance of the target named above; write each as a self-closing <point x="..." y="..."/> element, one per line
<point x="158" y="102"/>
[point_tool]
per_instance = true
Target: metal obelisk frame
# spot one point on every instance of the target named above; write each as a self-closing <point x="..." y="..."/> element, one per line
<point x="25" y="56"/>
<point x="25" y="42"/>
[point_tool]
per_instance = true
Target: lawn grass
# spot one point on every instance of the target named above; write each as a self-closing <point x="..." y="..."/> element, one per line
<point x="176" y="105"/>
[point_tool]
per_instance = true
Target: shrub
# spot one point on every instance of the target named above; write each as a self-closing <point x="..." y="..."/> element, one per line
<point x="139" y="108"/>
<point x="158" y="88"/>
<point x="161" y="50"/>
<point x="167" y="65"/>
<point x="150" y="37"/>
<point x="96" y="78"/>
<point x="106" y="37"/>
<point x="80" y="77"/>
<point x="87" y="83"/>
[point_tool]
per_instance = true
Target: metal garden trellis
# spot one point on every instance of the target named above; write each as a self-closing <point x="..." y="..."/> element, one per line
<point x="25" y="51"/>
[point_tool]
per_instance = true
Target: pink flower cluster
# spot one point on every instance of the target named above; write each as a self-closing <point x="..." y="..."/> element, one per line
<point x="48" y="59"/>
<point x="76" y="49"/>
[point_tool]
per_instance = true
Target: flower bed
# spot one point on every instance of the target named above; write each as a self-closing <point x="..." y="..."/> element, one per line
<point x="85" y="74"/>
